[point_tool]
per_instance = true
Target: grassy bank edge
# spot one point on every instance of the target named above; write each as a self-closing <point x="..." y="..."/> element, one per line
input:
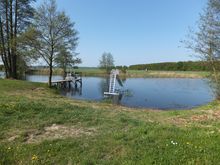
<point x="56" y="92"/>
<point x="131" y="73"/>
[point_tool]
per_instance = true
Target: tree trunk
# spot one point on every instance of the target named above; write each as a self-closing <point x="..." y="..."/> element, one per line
<point x="51" y="61"/>
<point x="212" y="62"/>
<point x="3" y="51"/>
<point x="13" y="55"/>
<point x="64" y="71"/>
<point x="214" y="71"/>
<point x="8" y="41"/>
<point x="50" y="75"/>
<point x="51" y="67"/>
<point x="14" y="47"/>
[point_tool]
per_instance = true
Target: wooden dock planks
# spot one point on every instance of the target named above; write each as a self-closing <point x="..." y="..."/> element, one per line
<point x="65" y="83"/>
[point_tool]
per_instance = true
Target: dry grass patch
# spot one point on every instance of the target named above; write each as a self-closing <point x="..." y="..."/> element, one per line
<point x="58" y="132"/>
<point x="206" y="115"/>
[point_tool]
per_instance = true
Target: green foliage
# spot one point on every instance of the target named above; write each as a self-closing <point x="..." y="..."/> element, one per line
<point x="106" y="62"/>
<point x="16" y="16"/>
<point x="174" y="66"/>
<point x="123" y="69"/>
<point x="65" y="59"/>
<point x="54" y="34"/>
<point x="1" y="67"/>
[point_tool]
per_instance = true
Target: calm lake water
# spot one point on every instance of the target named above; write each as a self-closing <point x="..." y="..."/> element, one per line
<point x="2" y="74"/>
<point x="157" y="93"/>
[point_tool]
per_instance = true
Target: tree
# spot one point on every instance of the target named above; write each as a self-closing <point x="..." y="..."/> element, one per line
<point x="15" y="17"/>
<point x="123" y="69"/>
<point x="106" y="62"/>
<point x="1" y="67"/>
<point x="65" y="59"/>
<point x="53" y="31"/>
<point x="206" y="41"/>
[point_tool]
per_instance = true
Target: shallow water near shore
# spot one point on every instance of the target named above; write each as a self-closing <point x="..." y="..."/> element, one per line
<point x="2" y="74"/>
<point x="156" y="93"/>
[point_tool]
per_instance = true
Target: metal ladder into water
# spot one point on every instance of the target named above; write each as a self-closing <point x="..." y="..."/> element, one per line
<point x="112" y="82"/>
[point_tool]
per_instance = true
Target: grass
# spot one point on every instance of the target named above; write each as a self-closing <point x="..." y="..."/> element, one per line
<point x="167" y="74"/>
<point x="133" y="73"/>
<point x="38" y="126"/>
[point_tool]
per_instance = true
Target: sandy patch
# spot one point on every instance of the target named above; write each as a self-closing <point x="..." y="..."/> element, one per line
<point x="209" y="115"/>
<point x="12" y="138"/>
<point x="58" y="132"/>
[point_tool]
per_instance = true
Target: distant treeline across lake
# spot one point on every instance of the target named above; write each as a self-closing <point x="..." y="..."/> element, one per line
<point x="165" y="66"/>
<point x="174" y="66"/>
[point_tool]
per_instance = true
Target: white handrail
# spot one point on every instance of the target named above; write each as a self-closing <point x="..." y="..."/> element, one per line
<point x="112" y="81"/>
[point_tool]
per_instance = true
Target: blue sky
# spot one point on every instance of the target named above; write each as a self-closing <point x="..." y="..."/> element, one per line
<point x="134" y="31"/>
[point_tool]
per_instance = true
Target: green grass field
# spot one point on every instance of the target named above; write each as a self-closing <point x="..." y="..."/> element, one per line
<point x="133" y="73"/>
<point x="38" y="126"/>
<point x="167" y="74"/>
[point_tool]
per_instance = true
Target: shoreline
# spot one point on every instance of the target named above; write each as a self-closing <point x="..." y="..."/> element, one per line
<point x="132" y="73"/>
<point x="56" y="92"/>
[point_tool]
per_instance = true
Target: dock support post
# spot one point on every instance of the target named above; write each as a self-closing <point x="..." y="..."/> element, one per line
<point x="80" y="82"/>
<point x="69" y="84"/>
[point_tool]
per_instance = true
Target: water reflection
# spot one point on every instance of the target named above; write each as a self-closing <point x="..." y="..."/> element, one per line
<point x="74" y="91"/>
<point x="152" y="93"/>
<point x="2" y="74"/>
<point x="42" y="78"/>
<point x="158" y="93"/>
<point x="103" y="85"/>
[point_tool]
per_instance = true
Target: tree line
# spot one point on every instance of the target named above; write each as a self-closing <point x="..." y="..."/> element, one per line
<point x="174" y="66"/>
<point x="28" y="34"/>
<point x="107" y="63"/>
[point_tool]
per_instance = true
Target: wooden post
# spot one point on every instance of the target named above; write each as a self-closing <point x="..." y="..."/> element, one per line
<point x="81" y="83"/>
<point x="69" y="84"/>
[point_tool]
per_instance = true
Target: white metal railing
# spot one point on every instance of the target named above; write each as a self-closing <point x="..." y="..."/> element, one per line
<point x="112" y="82"/>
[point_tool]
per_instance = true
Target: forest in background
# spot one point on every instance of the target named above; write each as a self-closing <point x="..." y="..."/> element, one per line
<point x="165" y="66"/>
<point x="174" y="66"/>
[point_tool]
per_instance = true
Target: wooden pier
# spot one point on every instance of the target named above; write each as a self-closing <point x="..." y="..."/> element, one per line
<point x="67" y="83"/>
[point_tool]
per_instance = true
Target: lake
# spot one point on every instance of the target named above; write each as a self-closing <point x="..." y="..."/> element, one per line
<point x="156" y="93"/>
<point x="2" y="74"/>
